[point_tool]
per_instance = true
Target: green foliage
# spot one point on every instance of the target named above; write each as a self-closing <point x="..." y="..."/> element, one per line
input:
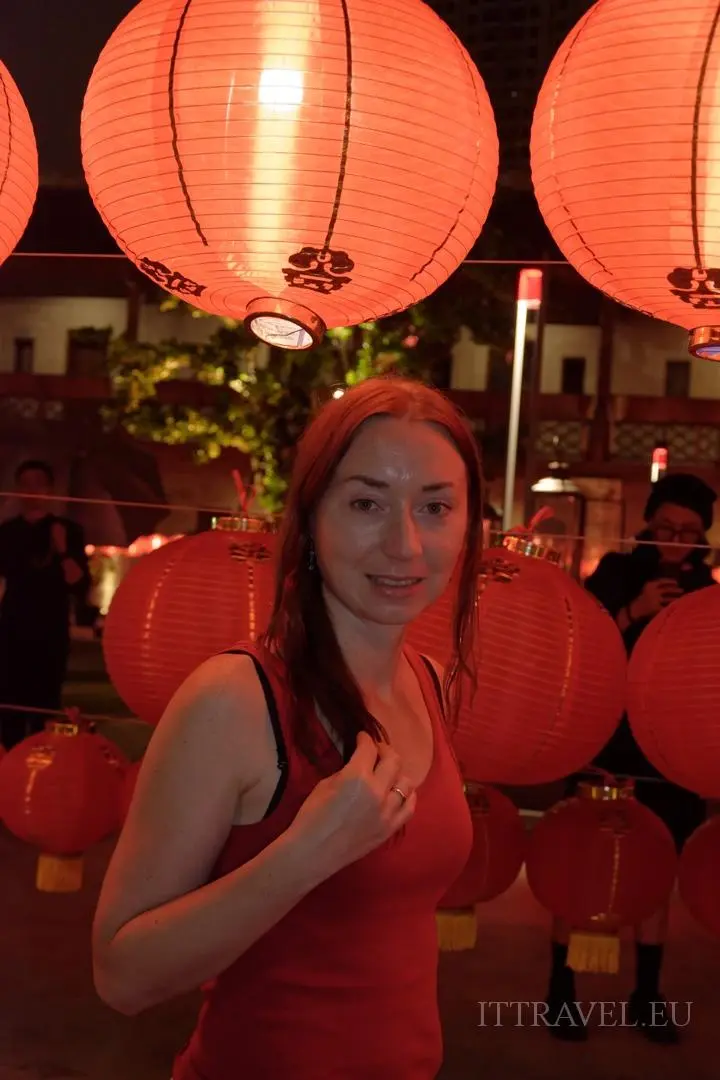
<point x="262" y="398"/>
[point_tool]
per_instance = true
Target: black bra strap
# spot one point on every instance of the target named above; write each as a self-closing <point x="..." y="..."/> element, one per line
<point x="436" y="682"/>
<point x="281" y="749"/>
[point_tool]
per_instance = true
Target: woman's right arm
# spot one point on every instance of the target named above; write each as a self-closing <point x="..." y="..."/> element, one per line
<point x="160" y="930"/>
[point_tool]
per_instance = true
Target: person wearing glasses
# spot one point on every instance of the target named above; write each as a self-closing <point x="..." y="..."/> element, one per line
<point x="669" y="561"/>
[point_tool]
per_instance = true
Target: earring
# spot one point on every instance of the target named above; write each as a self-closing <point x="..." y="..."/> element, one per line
<point x="311" y="559"/>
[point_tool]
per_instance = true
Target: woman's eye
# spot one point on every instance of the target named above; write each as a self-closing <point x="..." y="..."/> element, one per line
<point x="438" y="509"/>
<point x="362" y="504"/>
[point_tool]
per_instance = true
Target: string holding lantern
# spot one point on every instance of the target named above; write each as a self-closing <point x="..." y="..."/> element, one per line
<point x="300" y="166"/>
<point x="674" y="672"/>
<point x="699" y="875"/>
<point x="497" y="855"/>
<point x="60" y="791"/>
<point x="186" y="602"/>
<point x="625" y="159"/>
<point x="550" y="668"/>
<point x="18" y="165"/>
<point x="600" y="861"/>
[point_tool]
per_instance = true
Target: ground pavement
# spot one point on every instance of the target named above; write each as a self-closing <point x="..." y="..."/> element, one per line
<point x="52" y="1027"/>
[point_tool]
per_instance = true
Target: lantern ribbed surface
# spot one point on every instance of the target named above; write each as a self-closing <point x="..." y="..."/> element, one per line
<point x="626" y="155"/>
<point x="498" y="851"/>
<point x="18" y="165"/>
<point x="182" y="604"/>
<point x="324" y="161"/>
<point x="551" y="671"/>
<point x="61" y="793"/>
<point x="674" y="692"/>
<point x="699" y="875"/>
<point x="601" y="864"/>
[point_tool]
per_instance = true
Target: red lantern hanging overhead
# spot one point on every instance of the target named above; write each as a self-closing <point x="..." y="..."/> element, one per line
<point x="182" y="604"/>
<point x="18" y="165"/>
<point x="699" y="875"/>
<point x="551" y="670"/>
<point x="600" y="861"/>
<point x="495" y="860"/>
<point x="674" y="692"/>
<point x="626" y="158"/>
<point x="60" y="791"/>
<point x="304" y="165"/>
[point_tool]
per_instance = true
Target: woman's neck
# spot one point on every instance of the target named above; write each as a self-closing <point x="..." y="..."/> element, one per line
<point x="373" y="652"/>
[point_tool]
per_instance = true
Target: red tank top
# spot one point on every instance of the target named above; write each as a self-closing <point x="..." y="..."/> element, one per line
<point x="344" y="987"/>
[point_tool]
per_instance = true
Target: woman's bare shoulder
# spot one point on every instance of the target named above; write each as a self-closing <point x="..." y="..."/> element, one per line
<point x="222" y="703"/>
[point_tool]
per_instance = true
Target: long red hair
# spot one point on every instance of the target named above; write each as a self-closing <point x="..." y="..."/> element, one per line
<point x="300" y="631"/>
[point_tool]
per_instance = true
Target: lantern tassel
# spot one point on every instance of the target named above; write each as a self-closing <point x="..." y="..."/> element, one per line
<point x="594" y="953"/>
<point x="456" y="929"/>
<point x="59" y="873"/>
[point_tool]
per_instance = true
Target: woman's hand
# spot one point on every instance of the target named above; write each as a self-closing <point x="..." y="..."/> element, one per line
<point x="357" y="809"/>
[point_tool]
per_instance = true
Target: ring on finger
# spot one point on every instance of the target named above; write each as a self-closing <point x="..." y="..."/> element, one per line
<point x="402" y="794"/>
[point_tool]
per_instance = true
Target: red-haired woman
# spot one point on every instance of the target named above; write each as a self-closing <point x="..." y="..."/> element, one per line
<point x="299" y="813"/>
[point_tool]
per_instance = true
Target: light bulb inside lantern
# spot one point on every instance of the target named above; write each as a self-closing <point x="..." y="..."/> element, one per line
<point x="284" y="324"/>
<point x="705" y="343"/>
<point x="282" y="333"/>
<point x="282" y="89"/>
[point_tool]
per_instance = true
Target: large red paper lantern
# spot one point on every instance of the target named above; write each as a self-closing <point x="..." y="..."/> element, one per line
<point x="626" y="158"/>
<point x="182" y="604"/>
<point x="674" y="692"/>
<point x="18" y="165"/>
<point x="550" y="666"/>
<point x="699" y="875"/>
<point x="600" y="861"/>
<point x="60" y="791"/>
<point x="301" y="165"/>
<point x="495" y="860"/>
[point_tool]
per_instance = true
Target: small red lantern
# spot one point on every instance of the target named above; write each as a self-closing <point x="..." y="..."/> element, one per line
<point x="299" y="166"/>
<point x="699" y="875"/>
<point x="600" y="861"/>
<point x="495" y="860"/>
<point x="674" y="692"/>
<point x="624" y="153"/>
<point x="60" y="791"/>
<point x="550" y="665"/>
<point x="18" y="165"/>
<point x="182" y="604"/>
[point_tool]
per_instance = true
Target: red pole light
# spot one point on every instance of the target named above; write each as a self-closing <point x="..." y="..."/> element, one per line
<point x="530" y="286"/>
<point x="659" y="463"/>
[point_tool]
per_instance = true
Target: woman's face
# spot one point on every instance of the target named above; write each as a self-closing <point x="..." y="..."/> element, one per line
<point x="676" y="525"/>
<point x="391" y="526"/>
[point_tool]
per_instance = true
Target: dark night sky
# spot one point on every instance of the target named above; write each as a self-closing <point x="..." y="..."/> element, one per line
<point x="50" y="47"/>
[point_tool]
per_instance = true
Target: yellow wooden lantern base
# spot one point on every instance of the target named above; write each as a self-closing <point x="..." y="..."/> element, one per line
<point x="457" y="929"/>
<point x="598" y="954"/>
<point x="59" y="874"/>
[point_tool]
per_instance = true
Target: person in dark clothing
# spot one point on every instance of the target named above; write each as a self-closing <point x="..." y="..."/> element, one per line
<point x="634" y="588"/>
<point x="43" y="564"/>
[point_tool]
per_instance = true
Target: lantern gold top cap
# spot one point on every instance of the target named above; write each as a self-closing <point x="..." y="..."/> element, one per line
<point x="606" y="790"/>
<point x="244" y="523"/>
<point x="526" y="545"/>
<point x="62" y="727"/>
